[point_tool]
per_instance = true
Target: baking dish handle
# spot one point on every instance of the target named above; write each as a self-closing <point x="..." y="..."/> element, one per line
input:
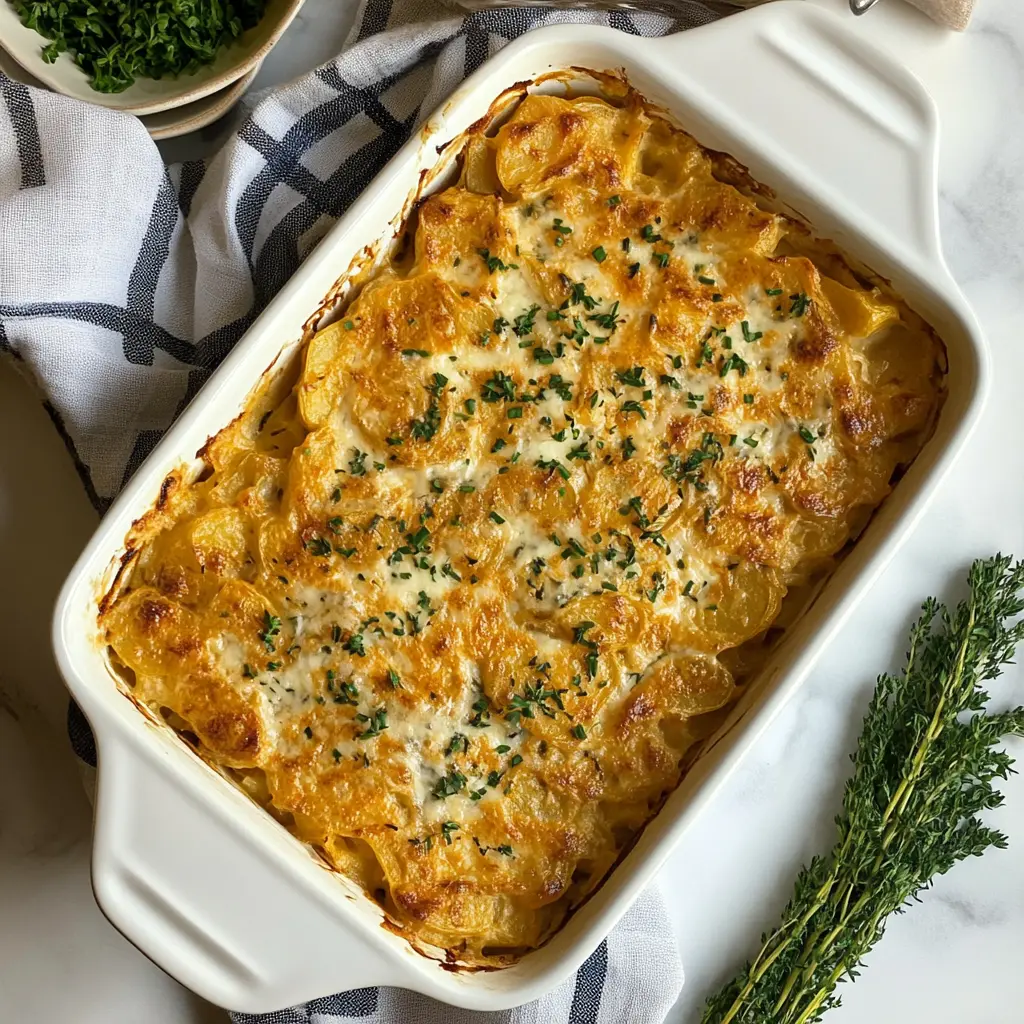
<point x="199" y="908"/>
<point x="851" y="126"/>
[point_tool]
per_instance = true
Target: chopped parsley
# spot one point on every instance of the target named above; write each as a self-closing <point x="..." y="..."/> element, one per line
<point x="524" y="323"/>
<point x="319" y="546"/>
<point x="375" y="723"/>
<point x="499" y="388"/>
<point x="271" y="628"/>
<point x="798" y="304"/>
<point x="458" y="743"/>
<point x="749" y="335"/>
<point x="734" y="362"/>
<point x="448" y="785"/>
<point x="578" y="296"/>
<point x="691" y="469"/>
<point x="610" y="320"/>
<point x="354" y="645"/>
<point x="425" y="428"/>
<point x="357" y="464"/>
<point x="494" y="263"/>
<point x="634" y="377"/>
<point x="533" y="698"/>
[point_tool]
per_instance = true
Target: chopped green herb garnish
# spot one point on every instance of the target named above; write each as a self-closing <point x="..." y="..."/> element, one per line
<point x="734" y="362"/>
<point x="375" y="723"/>
<point x="425" y="428"/>
<point x="499" y="388"/>
<point x="634" y="377"/>
<point x="578" y="296"/>
<point x="494" y="263"/>
<point x="458" y="743"/>
<point x="448" y="785"/>
<point x="354" y="645"/>
<point x="524" y="323"/>
<point x="319" y="547"/>
<point x="271" y="628"/>
<point x="610" y="320"/>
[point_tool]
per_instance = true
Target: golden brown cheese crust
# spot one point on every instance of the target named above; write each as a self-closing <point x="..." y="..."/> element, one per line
<point x="453" y="608"/>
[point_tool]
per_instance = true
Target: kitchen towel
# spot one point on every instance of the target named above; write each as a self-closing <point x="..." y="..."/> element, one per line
<point x="633" y="977"/>
<point x="123" y="283"/>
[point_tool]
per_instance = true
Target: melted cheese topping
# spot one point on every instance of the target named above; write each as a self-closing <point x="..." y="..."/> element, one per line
<point x="454" y="608"/>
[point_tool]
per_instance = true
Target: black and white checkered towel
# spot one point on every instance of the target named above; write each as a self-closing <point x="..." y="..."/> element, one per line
<point x="123" y="283"/>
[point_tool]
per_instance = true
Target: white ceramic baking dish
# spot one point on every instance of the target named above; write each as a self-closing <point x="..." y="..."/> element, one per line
<point x="203" y="880"/>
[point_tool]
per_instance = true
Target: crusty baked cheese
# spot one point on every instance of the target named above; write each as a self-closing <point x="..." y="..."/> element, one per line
<point x="456" y="601"/>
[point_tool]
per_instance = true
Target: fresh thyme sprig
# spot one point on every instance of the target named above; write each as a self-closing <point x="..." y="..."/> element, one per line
<point x="924" y="770"/>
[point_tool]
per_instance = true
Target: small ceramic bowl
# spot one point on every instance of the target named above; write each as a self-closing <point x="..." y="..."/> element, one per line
<point x="148" y="95"/>
<point x="165" y="124"/>
<point x="190" y="117"/>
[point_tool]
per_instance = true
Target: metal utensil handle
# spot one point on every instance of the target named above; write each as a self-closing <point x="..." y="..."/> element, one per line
<point x="862" y="6"/>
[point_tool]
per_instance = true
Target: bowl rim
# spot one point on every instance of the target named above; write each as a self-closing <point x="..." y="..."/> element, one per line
<point x="24" y="45"/>
<point x="219" y="104"/>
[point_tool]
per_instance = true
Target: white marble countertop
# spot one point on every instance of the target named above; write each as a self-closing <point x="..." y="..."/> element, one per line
<point x="951" y="960"/>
